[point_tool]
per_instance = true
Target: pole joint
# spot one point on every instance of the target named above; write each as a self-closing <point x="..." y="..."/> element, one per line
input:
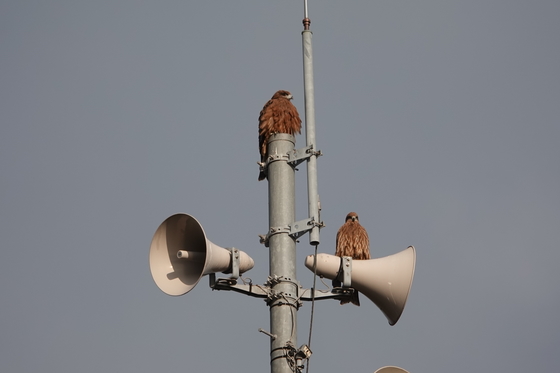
<point x="282" y="298"/>
<point x="263" y="166"/>
<point x="265" y="239"/>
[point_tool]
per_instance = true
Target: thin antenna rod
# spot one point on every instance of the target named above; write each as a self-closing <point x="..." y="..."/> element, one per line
<point x="306" y="20"/>
<point x="312" y="194"/>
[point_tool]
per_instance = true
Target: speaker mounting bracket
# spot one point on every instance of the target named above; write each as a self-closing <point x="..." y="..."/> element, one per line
<point x="336" y="293"/>
<point x="344" y="293"/>
<point x="256" y="291"/>
<point x="346" y="271"/>
<point x="265" y="292"/>
<point x="234" y="263"/>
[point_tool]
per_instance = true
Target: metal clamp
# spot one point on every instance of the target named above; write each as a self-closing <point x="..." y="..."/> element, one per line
<point x="297" y="156"/>
<point x="299" y="228"/>
<point x="234" y="263"/>
<point x="290" y="298"/>
<point x="264" y="239"/>
<point x="346" y="271"/>
<point x="295" y="230"/>
<point x="263" y="166"/>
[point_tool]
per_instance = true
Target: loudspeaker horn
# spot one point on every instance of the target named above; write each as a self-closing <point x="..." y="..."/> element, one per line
<point x="391" y="369"/>
<point x="180" y="254"/>
<point x="385" y="281"/>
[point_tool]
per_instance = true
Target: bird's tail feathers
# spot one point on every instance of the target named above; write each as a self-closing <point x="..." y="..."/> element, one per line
<point x="355" y="299"/>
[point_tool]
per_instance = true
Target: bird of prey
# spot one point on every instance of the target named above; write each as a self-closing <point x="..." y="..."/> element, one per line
<point x="352" y="240"/>
<point x="278" y="115"/>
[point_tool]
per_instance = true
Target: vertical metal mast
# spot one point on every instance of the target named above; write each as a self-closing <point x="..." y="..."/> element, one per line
<point x="283" y="300"/>
<point x="282" y="281"/>
<point x="312" y="194"/>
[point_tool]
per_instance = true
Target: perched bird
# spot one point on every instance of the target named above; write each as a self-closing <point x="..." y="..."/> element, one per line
<point x="278" y="115"/>
<point x="352" y="240"/>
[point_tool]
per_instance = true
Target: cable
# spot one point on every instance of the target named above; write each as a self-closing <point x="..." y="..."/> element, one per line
<point x="288" y="303"/>
<point x="312" y="303"/>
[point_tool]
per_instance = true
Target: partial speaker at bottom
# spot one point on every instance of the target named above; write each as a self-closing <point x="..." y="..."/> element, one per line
<point x="391" y="370"/>
<point x="385" y="281"/>
<point x="180" y="254"/>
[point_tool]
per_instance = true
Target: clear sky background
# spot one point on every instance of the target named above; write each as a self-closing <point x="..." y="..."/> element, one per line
<point x="440" y="125"/>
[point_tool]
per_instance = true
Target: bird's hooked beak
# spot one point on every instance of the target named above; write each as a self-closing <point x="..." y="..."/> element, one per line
<point x="289" y="97"/>
<point x="354" y="218"/>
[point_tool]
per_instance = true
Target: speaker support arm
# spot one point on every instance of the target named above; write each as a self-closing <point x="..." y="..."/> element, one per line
<point x="256" y="291"/>
<point x="338" y="293"/>
<point x="264" y="291"/>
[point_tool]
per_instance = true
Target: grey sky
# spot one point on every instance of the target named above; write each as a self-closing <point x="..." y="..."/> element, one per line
<point x="439" y="124"/>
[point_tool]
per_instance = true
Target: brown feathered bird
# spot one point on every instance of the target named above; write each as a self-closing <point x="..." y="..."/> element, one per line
<point x="352" y="240"/>
<point x="278" y="115"/>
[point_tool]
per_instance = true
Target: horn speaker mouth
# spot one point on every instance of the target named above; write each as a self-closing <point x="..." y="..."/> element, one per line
<point x="385" y="281"/>
<point x="180" y="254"/>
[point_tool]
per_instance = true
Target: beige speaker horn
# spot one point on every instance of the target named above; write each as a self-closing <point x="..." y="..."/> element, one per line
<point x="391" y="369"/>
<point x="385" y="281"/>
<point x="180" y="254"/>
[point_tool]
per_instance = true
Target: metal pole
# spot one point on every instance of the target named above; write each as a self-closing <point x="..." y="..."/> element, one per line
<point x="312" y="194"/>
<point x="282" y="260"/>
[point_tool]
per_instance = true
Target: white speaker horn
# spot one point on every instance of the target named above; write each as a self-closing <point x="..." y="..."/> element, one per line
<point x="180" y="254"/>
<point x="385" y="281"/>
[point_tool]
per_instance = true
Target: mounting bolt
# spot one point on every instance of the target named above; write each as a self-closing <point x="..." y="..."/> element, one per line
<point x="272" y="336"/>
